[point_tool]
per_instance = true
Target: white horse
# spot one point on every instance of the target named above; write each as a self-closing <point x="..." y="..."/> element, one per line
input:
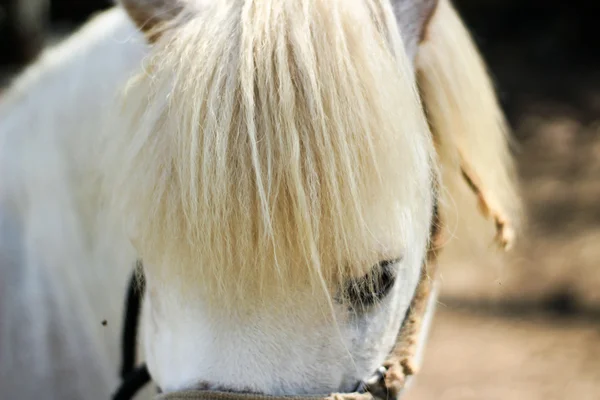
<point x="274" y="165"/>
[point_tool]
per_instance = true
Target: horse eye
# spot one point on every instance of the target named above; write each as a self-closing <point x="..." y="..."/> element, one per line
<point x="372" y="288"/>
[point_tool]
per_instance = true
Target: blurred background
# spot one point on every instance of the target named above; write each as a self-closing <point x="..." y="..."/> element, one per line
<point x="528" y="326"/>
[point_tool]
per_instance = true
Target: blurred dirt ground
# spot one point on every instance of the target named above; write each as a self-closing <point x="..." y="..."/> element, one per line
<point x="473" y="356"/>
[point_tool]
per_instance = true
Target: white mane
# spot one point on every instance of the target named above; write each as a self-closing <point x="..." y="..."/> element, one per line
<point x="271" y="143"/>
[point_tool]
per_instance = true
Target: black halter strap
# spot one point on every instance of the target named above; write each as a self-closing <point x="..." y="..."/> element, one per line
<point x="133" y="301"/>
<point x="132" y="383"/>
<point x="133" y="378"/>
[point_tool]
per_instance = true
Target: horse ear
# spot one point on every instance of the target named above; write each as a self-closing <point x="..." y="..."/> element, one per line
<point x="151" y="16"/>
<point x="412" y="17"/>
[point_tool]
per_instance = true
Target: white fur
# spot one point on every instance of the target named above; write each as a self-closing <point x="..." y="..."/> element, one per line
<point x="68" y="271"/>
<point x="286" y="348"/>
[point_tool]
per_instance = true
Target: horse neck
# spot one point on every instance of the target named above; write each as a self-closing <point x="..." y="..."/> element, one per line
<point x="73" y="267"/>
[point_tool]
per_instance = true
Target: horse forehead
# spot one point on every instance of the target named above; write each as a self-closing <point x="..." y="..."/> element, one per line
<point x="412" y="17"/>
